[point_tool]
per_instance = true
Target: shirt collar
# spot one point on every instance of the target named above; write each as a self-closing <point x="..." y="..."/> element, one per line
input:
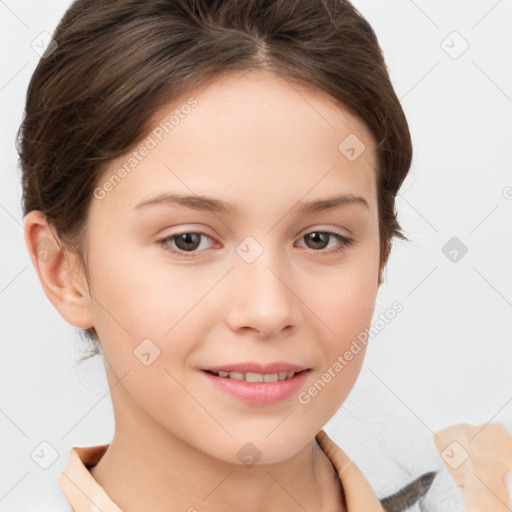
<point x="85" y="494"/>
<point x="82" y="491"/>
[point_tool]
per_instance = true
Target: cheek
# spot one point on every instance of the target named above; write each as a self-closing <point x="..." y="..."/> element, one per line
<point x="345" y="304"/>
<point x="345" y="299"/>
<point x="351" y="307"/>
<point x="346" y="312"/>
<point x="146" y="306"/>
<point x="133" y="297"/>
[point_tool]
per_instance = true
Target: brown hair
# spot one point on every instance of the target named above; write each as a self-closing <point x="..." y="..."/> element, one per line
<point x="117" y="62"/>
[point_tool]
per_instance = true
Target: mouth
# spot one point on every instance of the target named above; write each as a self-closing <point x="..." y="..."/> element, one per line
<point x="255" y="376"/>
<point x="256" y="384"/>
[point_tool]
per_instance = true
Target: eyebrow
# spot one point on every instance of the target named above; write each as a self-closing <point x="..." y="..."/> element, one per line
<point x="204" y="203"/>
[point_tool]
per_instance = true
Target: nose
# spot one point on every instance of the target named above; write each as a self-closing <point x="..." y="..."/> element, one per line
<point x="264" y="296"/>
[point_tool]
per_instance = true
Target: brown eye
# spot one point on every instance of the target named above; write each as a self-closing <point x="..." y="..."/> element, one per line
<point x="187" y="241"/>
<point x="318" y="240"/>
<point x="184" y="243"/>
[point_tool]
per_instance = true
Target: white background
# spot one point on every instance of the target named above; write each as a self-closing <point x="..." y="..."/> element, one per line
<point x="445" y="359"/>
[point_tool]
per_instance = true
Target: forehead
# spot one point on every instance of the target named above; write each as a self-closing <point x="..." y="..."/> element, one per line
<point x="246" y="134"/>
<point x="256" y="105"/>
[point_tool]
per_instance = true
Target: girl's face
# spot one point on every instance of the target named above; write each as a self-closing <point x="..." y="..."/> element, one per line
<point x="256" y="280"/>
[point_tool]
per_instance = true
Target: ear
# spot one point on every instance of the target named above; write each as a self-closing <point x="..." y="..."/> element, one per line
<point x="57" y="269"/>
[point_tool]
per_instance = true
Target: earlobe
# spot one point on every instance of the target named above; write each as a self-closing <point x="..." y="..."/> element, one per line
<point x="56" y="268"/>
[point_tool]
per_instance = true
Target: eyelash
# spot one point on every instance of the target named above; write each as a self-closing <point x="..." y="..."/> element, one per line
<point x="345" y="243"/>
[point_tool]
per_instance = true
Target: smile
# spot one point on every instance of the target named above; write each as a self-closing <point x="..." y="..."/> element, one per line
<point x="256" y="377"/>
<point x="257" y="388"/>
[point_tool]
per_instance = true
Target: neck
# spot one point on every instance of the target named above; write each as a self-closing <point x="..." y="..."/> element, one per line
<point x="146" y="468"/>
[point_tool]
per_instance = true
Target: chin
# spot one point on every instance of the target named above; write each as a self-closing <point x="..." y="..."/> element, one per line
<point x="258" y="449"/>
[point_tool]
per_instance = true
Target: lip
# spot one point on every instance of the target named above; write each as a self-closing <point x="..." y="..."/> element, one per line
<point x="259" y="393"/>
<point x="252" y="366"/>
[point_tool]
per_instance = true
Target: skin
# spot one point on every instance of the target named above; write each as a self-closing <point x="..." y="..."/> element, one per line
<point x="262" y="144"/>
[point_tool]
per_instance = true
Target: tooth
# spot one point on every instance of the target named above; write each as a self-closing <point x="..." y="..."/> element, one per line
<point x="256" y="377"/>
<point x="236" y="375"/>
<point x="253" y="377"/>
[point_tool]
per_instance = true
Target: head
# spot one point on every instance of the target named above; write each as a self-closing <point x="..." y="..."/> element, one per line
<point x="261" y="105"/>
